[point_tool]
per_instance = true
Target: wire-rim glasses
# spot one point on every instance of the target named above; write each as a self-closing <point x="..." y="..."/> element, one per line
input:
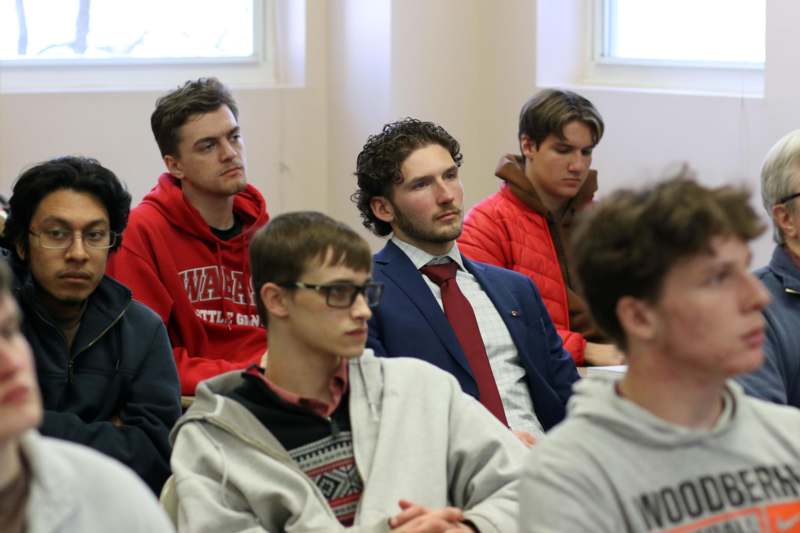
<point x="61" y="239"/>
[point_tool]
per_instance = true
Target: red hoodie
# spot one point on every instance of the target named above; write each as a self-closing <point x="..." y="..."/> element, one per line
<point x="199" y="284"/>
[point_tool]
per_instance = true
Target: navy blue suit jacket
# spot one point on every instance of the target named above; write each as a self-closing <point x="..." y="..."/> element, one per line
<point x="410" y="323"/>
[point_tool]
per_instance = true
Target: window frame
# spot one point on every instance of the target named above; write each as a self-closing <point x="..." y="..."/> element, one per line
<point x="733" y="78"/>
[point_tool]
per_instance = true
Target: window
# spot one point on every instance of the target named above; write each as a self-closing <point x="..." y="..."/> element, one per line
<point x="697" y="46"/>
<point x="89" y="45"/>
<point x="684" y="32"/>
<point x="36" y="31"/>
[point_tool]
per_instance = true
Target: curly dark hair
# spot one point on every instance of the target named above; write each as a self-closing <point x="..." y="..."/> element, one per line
<point x="378" y="164"/>
<point x="81" y="174"/>
<point x="174" y="109"/>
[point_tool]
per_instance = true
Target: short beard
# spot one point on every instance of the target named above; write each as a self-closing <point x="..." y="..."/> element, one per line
<point x="422" y="235"/>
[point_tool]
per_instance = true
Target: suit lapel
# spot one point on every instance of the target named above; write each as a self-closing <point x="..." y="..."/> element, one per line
<point x="503" y="300"/>
<point x="398" y="268"/>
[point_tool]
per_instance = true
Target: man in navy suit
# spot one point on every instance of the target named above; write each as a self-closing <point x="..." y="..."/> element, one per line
<point x="409" y="186"/>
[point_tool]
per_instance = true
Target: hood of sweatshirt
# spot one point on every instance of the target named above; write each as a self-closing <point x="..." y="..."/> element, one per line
<point x="167" y="198"/>
<point x="511" y="169"/>
<point x="596" y="402"/>
<point x="211" y="404"/>
<point x="230" y="256"/>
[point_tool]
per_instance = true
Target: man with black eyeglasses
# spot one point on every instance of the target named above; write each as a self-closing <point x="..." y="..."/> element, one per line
<point x="103" y="360"/>
<point x="327" y="436"/>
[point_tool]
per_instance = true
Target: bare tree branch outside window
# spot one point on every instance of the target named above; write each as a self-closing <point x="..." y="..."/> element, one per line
<point x="81" y="27"/>
<point x="22" y="41"/>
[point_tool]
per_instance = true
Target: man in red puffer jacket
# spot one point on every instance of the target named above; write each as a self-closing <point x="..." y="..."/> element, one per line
<point x="525" y="226"/>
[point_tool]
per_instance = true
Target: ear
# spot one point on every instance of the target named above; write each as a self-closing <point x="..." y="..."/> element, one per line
<point x="20" y="250"/>
<point x="382" y="208"/>
<point x="174" y="166"/>
<point x="527" y="146"/>
<point x="783" y="219"/>
<point x="274" y="300"/>
<point x="637" y="318"/>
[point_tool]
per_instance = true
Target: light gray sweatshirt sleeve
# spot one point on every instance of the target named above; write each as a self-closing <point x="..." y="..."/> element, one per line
<point x="484" y="465"/>
<point x="209" y="500"/>
<point x="205" y="503"/>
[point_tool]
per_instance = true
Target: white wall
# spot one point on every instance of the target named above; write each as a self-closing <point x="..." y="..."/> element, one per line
<point x="359" y="74"/>
<point x="459" y="64"/>
<point x="467" y="64"/>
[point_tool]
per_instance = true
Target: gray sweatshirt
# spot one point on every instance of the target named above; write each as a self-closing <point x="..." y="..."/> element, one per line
<point x="613" y="467"/>
<point x="416" y="436"/>
<point x="75" y="489"/>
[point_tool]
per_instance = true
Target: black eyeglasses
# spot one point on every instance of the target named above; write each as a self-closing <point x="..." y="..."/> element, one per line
<point x="788" y="198"/>
<point x="342" y="295"/>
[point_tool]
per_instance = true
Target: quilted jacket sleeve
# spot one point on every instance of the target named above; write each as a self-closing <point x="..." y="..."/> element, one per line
<point x="486" y="237"/>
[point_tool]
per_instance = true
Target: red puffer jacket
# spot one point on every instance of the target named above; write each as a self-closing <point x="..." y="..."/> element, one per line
<point x="512" y="229"/>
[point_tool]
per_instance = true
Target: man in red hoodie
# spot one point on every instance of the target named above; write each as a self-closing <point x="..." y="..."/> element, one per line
<point x="184" y="252"/>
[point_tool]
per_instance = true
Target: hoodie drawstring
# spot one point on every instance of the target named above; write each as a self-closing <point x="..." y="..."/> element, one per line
<point x="372" y="409"/>
<point x="224" y="282"/>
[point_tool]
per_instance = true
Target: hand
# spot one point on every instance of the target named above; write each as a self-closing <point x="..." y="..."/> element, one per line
<point x="597" y="354"/>
<point x="415" y="518"/>
<point x="526" y="438"/>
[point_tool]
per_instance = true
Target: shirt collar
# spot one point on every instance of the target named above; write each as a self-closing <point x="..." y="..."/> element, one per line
<point x="337" y="386"/>
<point x="420" y="258"/>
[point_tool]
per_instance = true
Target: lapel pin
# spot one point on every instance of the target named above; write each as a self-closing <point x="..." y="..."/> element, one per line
<point x="514" y="313"/>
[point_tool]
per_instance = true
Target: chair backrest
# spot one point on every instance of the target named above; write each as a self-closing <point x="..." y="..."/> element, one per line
<point x="169" y="500"/>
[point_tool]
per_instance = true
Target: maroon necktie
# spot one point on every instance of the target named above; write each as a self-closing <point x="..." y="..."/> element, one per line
<point x="461" y="316"/>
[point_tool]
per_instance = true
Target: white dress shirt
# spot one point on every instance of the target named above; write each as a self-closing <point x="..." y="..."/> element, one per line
<point x="509" y="374"/>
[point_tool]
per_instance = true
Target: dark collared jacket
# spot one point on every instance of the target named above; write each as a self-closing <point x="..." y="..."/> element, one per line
<point x="778" y="379"/>
<point x="117" y="389"/>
